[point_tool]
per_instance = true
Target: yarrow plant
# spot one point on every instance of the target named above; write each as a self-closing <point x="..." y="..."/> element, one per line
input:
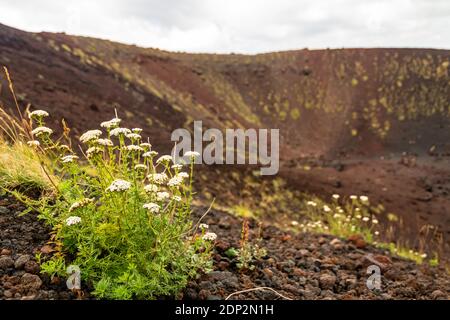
<point x="127" y="223"/>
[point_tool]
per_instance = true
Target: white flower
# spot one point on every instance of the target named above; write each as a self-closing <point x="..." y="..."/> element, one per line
<point x="152" y="207"/>
<point x="177" y="166"/>
<point x="136" y="130"/>
<point x="69" y="158"/>
<point x="377" y="233"/>
<point x="80" y="204"/>
<point x="326" y="208"/>
<point x="90" y="135"/>
<point x="364" y="198"/>
<point x="175" y="181"/>
<point x="203" y="226"/>
<point x="149" y="154"/>
<point x="119" y="185"/>
<point x="73" y="220"/>
<point x="353" y="197"/>
<point x="133" y="147"/>
<point x="311" y="203"/>
<point x="133" y="136"/>
<point x="119" y="131"/>
<point x="183" y="175"/>
<point x="423" y="256"/>
<point x="38" y="114"/>
<point x="165" y="158"/>
<point x="93" y="150"/>
<point x="375" y="221"/>
<point x="111" y="123"/>
<point x="41" y="130"/>
<point x="192" y="154"/>
<point x="209" y="236"/>
<point x="294" y="223"/>
<point x="33" y="143"/>
<point x="176" y="198"/>
<point x="150" y="188"/>
<point x="365" y="219"/>
<point x="158" y="178"/>
<point x="140" y="167"/>
<point x="146" y="145"/>
<point x="161" y="196"/>
<point x="105" y="142"/>
<point x="336" y="196"/>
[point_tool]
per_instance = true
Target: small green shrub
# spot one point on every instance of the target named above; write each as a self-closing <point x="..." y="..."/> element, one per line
<point x="249" y="251"/>
<point x="122" y="217"/>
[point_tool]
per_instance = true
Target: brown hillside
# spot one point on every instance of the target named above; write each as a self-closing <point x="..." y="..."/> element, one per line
<point x="336" y="109"/>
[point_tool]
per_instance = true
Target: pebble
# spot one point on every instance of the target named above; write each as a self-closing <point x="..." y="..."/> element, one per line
<point x="31" y="281"/>
<point x="336" y="244"/>
<point x="8" y="294"/>
<point x="4" y="210"/>
<point x="32" y="267"/>
<point x="438" y="294"/>
<point x="5" y="252"/>
<point x="6" y="262"/>
<point x="327" y="281"/>
<point x="21" y="261"/>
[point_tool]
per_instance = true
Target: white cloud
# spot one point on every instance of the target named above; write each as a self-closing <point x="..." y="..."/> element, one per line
<point x="246" y="26"/>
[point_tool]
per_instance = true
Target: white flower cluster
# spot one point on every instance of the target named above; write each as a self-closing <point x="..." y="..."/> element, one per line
<point x="133" y="136"/>
<point x="93" y="150"/>
<point x="118" y="131"/>
<point x="364" y="198"/>
<point x="136" y="130"/>
<point x="149" y="154"/>
<point x="119" y="185"/>
<point x="183" y="175"/>
<point x="70" y="221"/>
<point x="151" y="188"/>
<point x="164" y="159"/>
<point x="90" y="135"/>
<point x="140" y="166"/>
<point x="192" y="154"/>
<point x="104" y="142"/>
<point x="158" y="178"/>
<point x="161" y="196"/>
<point x="111" y="123"/>
<point x="209" y="236"/>
<point x="177" y="166"/>
<point x="175" y="181"/>
<point x="38" y="114"/>
<point x="69" y="158"/>
<point x="176" y="198"/>
<point x="41" y="130"/>
<point x="203" y="226"/>
<point x="80" y="204"/>
<point x="145" y="145"/>
<point x="133" y="148"/>
<point x="33" y="143"/>
<point x="152" y="207"/>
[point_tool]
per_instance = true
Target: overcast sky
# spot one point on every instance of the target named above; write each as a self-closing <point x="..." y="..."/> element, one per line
<point x="244" y="26"/>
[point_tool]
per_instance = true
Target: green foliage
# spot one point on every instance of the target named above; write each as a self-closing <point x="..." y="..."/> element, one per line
<point x="121" y="217"/>
<point x="354" y="216"/>
<point x="348" y="217"/>
<point x="249" y="251"/>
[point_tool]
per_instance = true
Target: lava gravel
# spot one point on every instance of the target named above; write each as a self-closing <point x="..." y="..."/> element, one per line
<point x="297" y="266"/>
